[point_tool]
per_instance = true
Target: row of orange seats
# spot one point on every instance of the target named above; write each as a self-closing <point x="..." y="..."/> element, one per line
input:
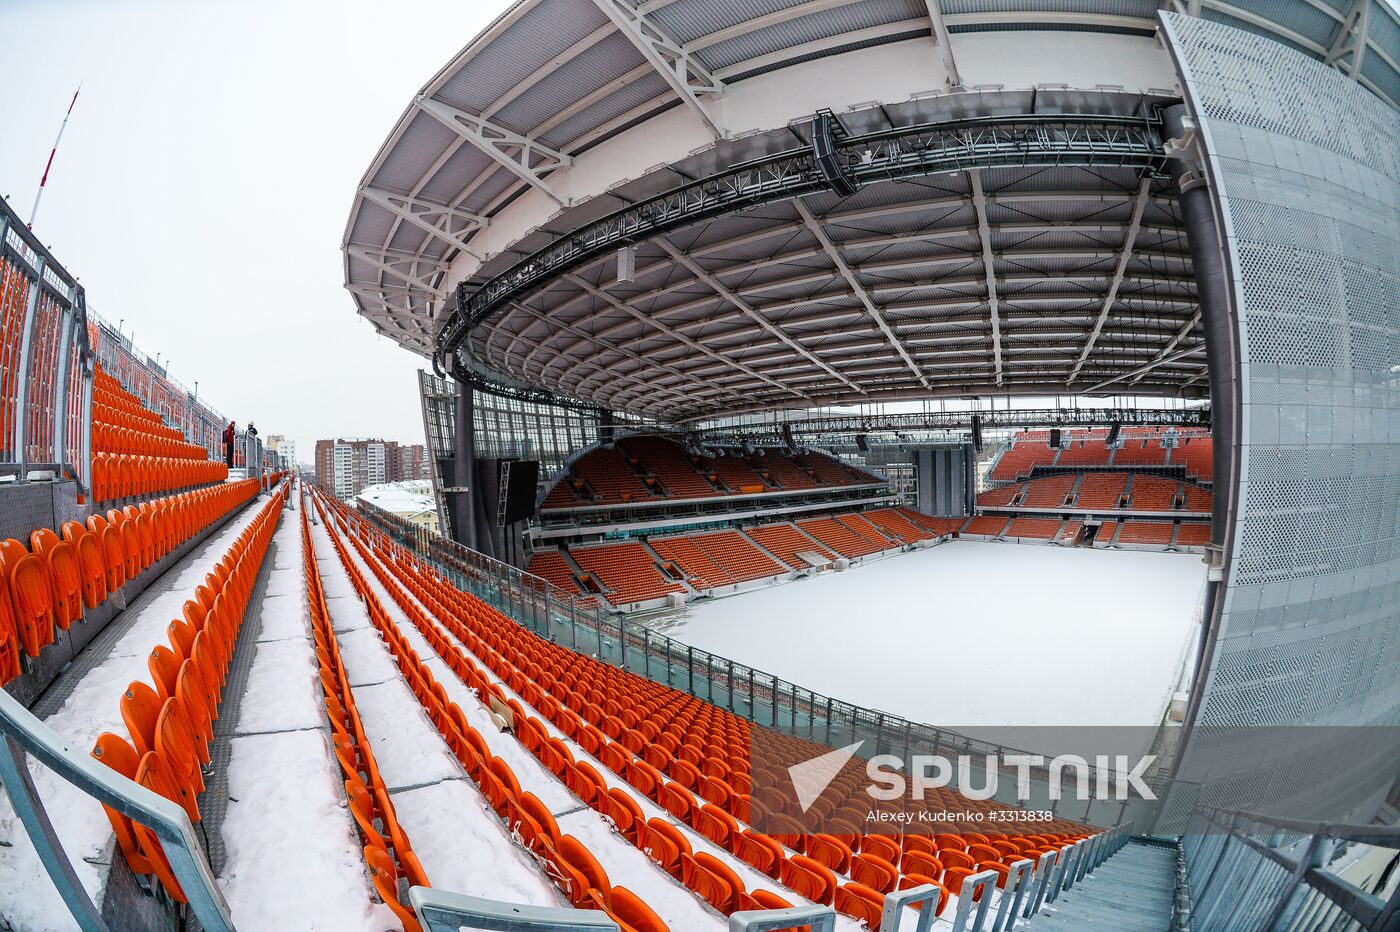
<point x="111" y="436"/>
<point x="170" y="723"/>
<point x="566" y="860"/>
<point x="107" y="391"/>
<point x="387" y="851"/>
<point x="119" y="475"/>
<point x="804" y="871"/>
<point x="48" y="587"/>
<point x="709" y="877"/>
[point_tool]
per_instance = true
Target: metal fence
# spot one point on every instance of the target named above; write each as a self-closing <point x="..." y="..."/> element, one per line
<point x="575" y="622"/>
<point x="1247" y="871"/>
<point x="46" y="360"/>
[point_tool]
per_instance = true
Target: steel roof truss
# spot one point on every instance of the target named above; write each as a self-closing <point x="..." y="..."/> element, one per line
<point x="526" y="158"/>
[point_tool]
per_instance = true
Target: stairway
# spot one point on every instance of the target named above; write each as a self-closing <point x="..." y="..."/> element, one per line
<point x="1132" y="891"/>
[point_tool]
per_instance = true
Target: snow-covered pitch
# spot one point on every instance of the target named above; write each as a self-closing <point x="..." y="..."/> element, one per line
<point x="973" y="634"/>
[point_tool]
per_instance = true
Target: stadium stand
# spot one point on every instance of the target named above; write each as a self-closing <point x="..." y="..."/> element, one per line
<point x="669" y="463"/>
<point x="169" y="721"/>
<point x="650" y="469"/>
<point x="737" y="555"/>
<point x="628" y="572"/>
<point x="840" y="537"/>
<point x="624" y="747"/>
<point x="1020" y="459"/>
<point x="897" y="526"/>
<point x="734" y="474"/>
<point x="1106" y="491"/>
<point x="1046" y="528"/>
<point x="986" y="525"/>
<point x="785" y="542"/>
<point x="1145" y="532"/>
<point x="609" y="474"/>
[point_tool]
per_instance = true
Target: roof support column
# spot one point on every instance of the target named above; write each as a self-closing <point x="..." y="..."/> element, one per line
<point x="984" y="230"/>
<point x="944" y="43"/>
<point x="1124" y="256"/>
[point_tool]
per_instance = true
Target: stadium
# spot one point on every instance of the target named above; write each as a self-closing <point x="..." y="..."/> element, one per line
<point x="812" y="388"/>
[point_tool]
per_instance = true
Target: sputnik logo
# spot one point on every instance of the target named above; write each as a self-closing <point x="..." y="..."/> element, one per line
<point x="811" y="777"/>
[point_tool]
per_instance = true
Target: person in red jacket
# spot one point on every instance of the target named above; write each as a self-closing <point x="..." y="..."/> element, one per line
<point x="230" y="432"/>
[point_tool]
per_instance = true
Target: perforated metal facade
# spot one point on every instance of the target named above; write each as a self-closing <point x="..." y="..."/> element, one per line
<point x="1304" y="168"/>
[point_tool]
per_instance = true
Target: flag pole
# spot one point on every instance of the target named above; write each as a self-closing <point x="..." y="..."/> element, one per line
<point x="45" y="179"/>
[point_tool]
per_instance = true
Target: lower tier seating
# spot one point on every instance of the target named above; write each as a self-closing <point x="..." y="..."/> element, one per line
<point x="628" y="572"/>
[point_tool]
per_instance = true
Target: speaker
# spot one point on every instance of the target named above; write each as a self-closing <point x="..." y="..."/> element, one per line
<point x="861" y="444"/>
<point x="824" y="153"/>
<point x="1054" y="438"/>
<point x="977" y="432"/>
<point x="515" y="490"/>
<point x="787" y="438"/>
<point x="1113" y="431"/>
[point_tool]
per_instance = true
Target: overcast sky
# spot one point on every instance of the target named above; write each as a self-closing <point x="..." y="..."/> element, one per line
<point x="204" y="181"/>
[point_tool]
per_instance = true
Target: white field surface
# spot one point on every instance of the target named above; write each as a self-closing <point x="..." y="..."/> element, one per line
<point x="971" y="633"/>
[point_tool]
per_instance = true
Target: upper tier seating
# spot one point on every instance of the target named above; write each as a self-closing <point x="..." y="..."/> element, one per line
<point x="735" y="474"/>
<point x="611" y="478"/>
<point x="1020" y="458"/>
<point x="670" y="464"/>
<point x="784" y="471"/>
<point x="1197" y="455"/>
<point x="831" y="471"/>
<point x="648" y="469"/>
<point x="1088" y="452"/>
<point x="135" y="453"/>
<point x="1152" y="493"/>
<point x="627" y="571"/>
<point x="1140" y="452"/>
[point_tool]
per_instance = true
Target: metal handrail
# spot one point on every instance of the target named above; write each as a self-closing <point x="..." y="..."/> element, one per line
<point x="1233" y="872"/>
<point x="23" y="735"/>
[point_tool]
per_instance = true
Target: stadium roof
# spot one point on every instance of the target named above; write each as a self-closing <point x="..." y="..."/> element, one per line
<point x="1029" y="277"/>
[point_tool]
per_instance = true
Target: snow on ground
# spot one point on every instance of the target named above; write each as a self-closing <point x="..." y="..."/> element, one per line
<point x="293" y="858"/>
<point x="973" y="634"/>
<point x="28" y="900"/>
<point x="410" y="496"/>
<point x="462" y="847"/>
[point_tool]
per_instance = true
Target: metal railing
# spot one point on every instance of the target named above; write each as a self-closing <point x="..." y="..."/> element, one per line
<point x="982" y="907"/>
<point x="21" y="736"/>
<point x="575" y="622"/>
<point x="46" y="360"/>
<point x="1252" y="872"/>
